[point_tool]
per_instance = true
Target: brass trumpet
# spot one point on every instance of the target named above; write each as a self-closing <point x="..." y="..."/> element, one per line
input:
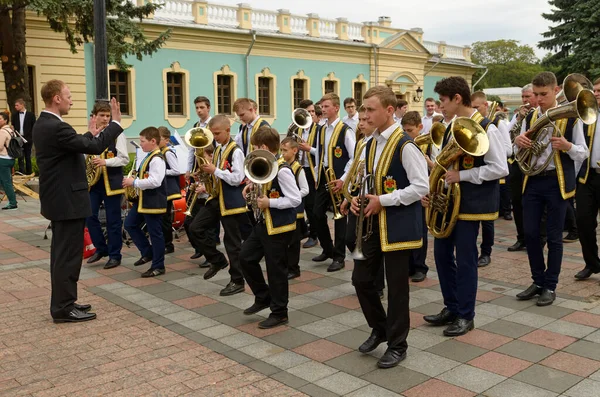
<point x="199" y="138"/>
<point x="435" y="137"/>
<point x="367" y="186"/>
<point x="336" y="198"/>
<point x="260" y="167"/>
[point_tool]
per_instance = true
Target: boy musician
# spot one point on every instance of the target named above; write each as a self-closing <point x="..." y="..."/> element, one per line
<point x="271" y="236"/>
<point x="588" y="197"/>
<point x="151" y="205"/>
<point x="417" y="269"/>
<point x="108" y="189"/>
<point x="173" y="188"/>
<point x="307" y="161"/>
<point x="289" y="152"/>
<point x="456" y="255"/>
<point x="549" y="190"/>
<point x="247" y="113"/>
<point x="225" y="203"/>
<point x="335" y="151"/>
<point x="400" y="179"/>
<point x="202" y="105"/>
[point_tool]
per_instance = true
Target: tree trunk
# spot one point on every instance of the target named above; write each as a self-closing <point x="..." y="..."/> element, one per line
<point x="12" y="54"/>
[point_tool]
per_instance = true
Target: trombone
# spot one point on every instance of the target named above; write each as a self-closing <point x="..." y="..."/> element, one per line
<point x="199" y="138"/>
<point x="260" y="168"/>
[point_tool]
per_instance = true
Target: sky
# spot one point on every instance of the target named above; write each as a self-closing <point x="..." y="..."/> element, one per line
<point x="457" y="22"/>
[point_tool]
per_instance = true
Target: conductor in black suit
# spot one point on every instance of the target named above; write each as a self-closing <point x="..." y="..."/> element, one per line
<point x="23" y="121"/>
<point x="64" y="193"/>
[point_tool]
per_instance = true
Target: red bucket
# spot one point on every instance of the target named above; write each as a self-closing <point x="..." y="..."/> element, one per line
<point x="88" y="246"/>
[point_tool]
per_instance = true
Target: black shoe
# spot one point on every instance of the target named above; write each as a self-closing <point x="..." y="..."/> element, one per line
<point x="96" y="257"/>
<point x="153" y="273"/>
<point x="75" y="316"/>
<point x="336" y="265"/>
<point x="417" y="277"/>
<point x="272" y="322"/>
<point x="10" y="207"/>
<point x="196" y="255"/>
<point x="584" y="274"/>
<point x="372" y="342"/>
<point x="391" y="358"/>
<point x="169" y="250"/>
<point x="518" y="246"/>
<point x="311" y="242"/>
<point x="484" y="260"/>
<point x="529" y="293"/>
<point x="508" y="217"/>
<point x="380" y="293"/>
<point x="232" y="289"/>
<point x="459" y="327"/>
<point x="214" y="269"/>
<point x="142" y="260"/>
<point x="571" y="237"/>
<point x="83" y="308"/>
<point x="442" y="318"/>
<point x="204" y="264"/>
<point x="255" y="308"/>
<point x="321" y="258"/>
<point x="112" y="263"/>
<point x="293" y="275"/>
<point x="546" y="298"/>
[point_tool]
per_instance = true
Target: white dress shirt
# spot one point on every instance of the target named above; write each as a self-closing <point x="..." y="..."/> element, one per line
<point x="303" y="157"/>
<point x="235" y="176"/>
<point x="595" y="154"/>
<point x="291" y="194"/>
<point x="238" y="137"/>
<point x="302" y="183"/>
<point x="156" y="174"/>
<point x="352" y="122"/>
<point x="171" y="158"/>
<point x="22" y="121"/>
<point x="397" y="119"/>
<point x="122" y="157"/>
<point x="578" y="152"/>
<point x="192" y="153"/>
<point x="349" y="142"/>
<point x="414" y="164"/>
<point x="427" y="121"/>
<point x="504" y="131"/>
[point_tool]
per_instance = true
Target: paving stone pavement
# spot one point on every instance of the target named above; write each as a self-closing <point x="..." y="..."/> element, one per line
<point x="174" y="335"/>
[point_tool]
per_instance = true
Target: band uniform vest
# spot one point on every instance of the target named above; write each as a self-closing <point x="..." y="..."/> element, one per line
<point x="246" y="137"/>
<point x="588" y="131"/>
<point x="336" y="152"/>
<point x="112" y="177"/>
<point x="152" y="201"/>
<point x="278" y="220"/>
<point x="231" y="200"/>
<point x="312" y="141"/>
<point x="296" y="168"/>
<point x="173" y="188"/>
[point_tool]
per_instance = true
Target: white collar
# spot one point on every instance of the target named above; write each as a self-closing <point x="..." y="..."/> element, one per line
<point x="54" y="114"/>
<point x="386" y="134"/>
<point x="334" y="123"/>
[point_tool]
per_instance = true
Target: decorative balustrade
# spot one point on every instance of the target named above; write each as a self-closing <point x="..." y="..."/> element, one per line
<point x="355" y="31"/>
<point x="431" y="47"/>
<point x="176" y="9"/>
<point x="264" y="20"/>
<point x="454" y="52"/>
<point x="327" y="29"/>
<point x="223" y="15"/>
<point x="298" y="24"/>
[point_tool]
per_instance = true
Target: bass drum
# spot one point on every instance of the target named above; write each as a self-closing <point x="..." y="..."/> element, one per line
<point x="179" y="208"/>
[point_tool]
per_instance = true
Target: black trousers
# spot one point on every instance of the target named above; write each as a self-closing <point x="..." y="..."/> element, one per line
<point x="588" y="204"/>
<point x="66" y="250"/>
<point x="396" y="324"/>
<point x="202" y="231"/>
<point x="487" y="237"/>
<point x="273" y="249"/>
<point x="188" y="221"/>
<point x="516" y="196"/>
<point x="322" y="203"/>
<point x="309" y="202"/>
<point x="351" y="244"/>
<point x="167" y="225"/>
<point x="25" y="161"/>
<point x="419" y="255"/>
<point x="571" y="217"/>
<point x="505" y="196"/>
<point x="293" y="251"/>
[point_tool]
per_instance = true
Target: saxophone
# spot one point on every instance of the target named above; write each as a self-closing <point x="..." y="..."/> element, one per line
<point x="133" y="194"/>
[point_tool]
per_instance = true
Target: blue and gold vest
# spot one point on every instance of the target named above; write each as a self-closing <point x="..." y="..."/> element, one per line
<point x="173" y="188"/>
<point x="565" y="166"/>
<point x="296" y="168"/>
<point x="400" y="227"/>
<point x="246" y="138"/>
<point x="112" y="177"/>
<point x="588" y="131"/>
<point x="231" y="200"/>
<point x="336" y="152"/>
<point x="312" y="141"/>
<point x="152" y="201"/>
<point x="278" y="220"/>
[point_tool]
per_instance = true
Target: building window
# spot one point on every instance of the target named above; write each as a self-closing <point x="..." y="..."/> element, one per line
<point x="224" y="94"/>
<point x="264" y="95"/>
<point x="299" y="92"/>
<point x="175" y="93"/>
<point x="119" y="89"/>
<point x="359" y="91"/>
<point x="31" y="79"/>
<point x="330" y="87"/>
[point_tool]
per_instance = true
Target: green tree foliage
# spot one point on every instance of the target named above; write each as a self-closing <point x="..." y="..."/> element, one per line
<point x="574" y="38"/>
<point x="509" y="64"/>
<point x="75" y="18"/>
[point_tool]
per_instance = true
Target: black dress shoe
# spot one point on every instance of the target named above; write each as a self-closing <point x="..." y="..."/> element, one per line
<point x="459" y="327"/>
<point x="232" y="289"/>
<point x="417" y="277"/>
<point x="442" y="318"/>
<point x="311" y="242"/>
<point x="255" y="308"/>
<point x="518" y="246"/>
<point x="196" y="255"/>
<point x="272" y="322"/>
<point x="335" y="266"/>
<point x="372" y="342"/>
<point x="214" y="269"/>
<point x="153" y="273"/>
<point x="321" y="257"/>
<point x="391" y="358"/>
<point x="169" y="250"/>
<point x="142" y="260"/>
<point x="205" y="264"/>
<point x="83" y="308"/>
<point x="96" y="257"/>
<point x="529" y="293"/>
<point x="112" y="263"/>
<point x="75" y="316"/>
<point x="484" y="260"/>
<point x="583" y="274"/>
<point x="508" y="217"/>
<point x="293" y="275"/>
<point x="546" y="298"/>
<point x="571" y="237"/>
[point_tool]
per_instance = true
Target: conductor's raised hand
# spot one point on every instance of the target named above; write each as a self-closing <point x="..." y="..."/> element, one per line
<point x="115" y="110"/>
<point x="92" y="127"/>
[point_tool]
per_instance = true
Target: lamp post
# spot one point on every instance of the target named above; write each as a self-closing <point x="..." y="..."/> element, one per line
<point x="100" y="51"/>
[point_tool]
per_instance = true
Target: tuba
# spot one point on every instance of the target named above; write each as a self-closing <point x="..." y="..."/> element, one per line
<point x="260" y="167"/>
<point x="435" y="137"/>
<point x="301" y="118"/>
<point x="468" y="137"/>
<point x="133" y="194"/>
<point x="92" y="172"/>
<point x="199" y="138"/>
<point x="578" y="101"/>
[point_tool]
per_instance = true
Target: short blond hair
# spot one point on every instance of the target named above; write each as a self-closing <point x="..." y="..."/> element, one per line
<point x="334" y="98"/>
<point x="384" y="93"/>
<point x="242" y="103"/>
<point x="51" y="89"/>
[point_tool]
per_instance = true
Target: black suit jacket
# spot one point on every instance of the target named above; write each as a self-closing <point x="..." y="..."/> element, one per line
<point x="63" y="182"/>
<point x="27" y="124"/>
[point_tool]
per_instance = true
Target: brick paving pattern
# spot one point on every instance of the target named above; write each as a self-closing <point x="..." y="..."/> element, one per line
<point x="175" y="336"/>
